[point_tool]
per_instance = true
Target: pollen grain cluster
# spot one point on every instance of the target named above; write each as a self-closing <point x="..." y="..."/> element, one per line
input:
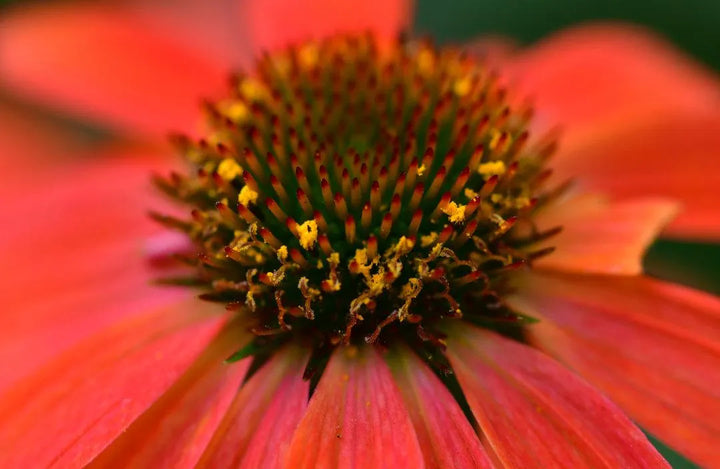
<point x="347" y="192"/>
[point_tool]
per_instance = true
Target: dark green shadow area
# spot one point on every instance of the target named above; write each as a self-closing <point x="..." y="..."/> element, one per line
<point x="692" y="24"/>
<point x="693" y="264"/>
<point x="675" y="460"/>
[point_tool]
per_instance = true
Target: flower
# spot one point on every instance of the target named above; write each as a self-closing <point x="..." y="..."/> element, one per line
<point x="102" y="366"/>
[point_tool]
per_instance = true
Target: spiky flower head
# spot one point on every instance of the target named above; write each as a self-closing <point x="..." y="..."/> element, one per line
<point x="347" y="193"/>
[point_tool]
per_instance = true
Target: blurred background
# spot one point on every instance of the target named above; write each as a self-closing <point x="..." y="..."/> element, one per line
<point x="692" y="25"/>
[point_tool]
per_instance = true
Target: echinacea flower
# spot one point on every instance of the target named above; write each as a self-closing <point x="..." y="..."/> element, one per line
<point x="408" y="279"/>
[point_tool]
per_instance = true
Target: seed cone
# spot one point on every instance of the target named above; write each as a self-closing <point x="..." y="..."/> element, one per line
<point x="346" y="194"/>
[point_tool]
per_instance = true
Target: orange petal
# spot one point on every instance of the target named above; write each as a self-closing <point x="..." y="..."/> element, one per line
<point x="675" y="158"/>
<point x="535" y="413"/>
<point x="445" y="435"/>
<point x="77" y="237"/>
<point x="103" y="63"/>
<point x="651" y="346"/>
<point x="73" y="407"/>
<point x="596" y="78"/>
<point x="207" y="28"/>
<point x="602" y="237"/>
<point x="276" y="23"/>
<point x="267" y="409"/>
<point x="183" y="420"/>
<point x="356" y="418"/>
<point x="29" y="141"/>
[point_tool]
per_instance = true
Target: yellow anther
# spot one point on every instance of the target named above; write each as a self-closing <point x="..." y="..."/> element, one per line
<point x="492" y="168"/>
<point x="462" y="86"/>
<point x="334" y="259"/>
<point x="360" y="256"/>
<point x="308" y="55"/>
<point x="404" y="245"/>
<point x="456" y="212"/>
<point x="427" y="240"/>
<point x="376" y="283"/>
<point x="247" y="196"/>
<point x="250" y="300"/>
<point x="282" y="253"/>
<point x="395" y="267"/>
<point x="522" y="202"/>
<point x="425" y="61"/>
<point x="237" y="111"/>
<point x="308" y="233"/>
<point x="333" y="284"/>
<point x="228" y="169"/>
<point x="252" y="89"/>
<point x="421" y="170"/>
<point x="411" y="289"/>
<point x="497" y="219"/>
<point x="469" y="193"/>
<point x="496" y="198"/>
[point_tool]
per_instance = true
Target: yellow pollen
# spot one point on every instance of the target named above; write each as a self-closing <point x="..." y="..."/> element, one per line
<point x="425" y="61"/>
<point x="247" y="196"/>
<point x="462" y="86"/>
<point x="282" y="253"/>
<point x="469" y="193"/>
<point x="395" y="268"/>
<point x="402" y="247"/>
<point x="308" y="232"/>
<point x="252" y="89"/>
<point x="494" y="139"/>
<point x="308" y="55"/>
<point x="334" y="259"/>
<point x="333" y="283"/>
<point x="496" y="198"/>
<point x="522" y="202"/>
<point x="237" y="111"/>
<point x="427" y="240"/>
<point x="421" y="170"/>
<point x="456" y="212"/>
<point x="491" y="168"/>
<point x="376" y="283"/>
<point x="228" y="169"/>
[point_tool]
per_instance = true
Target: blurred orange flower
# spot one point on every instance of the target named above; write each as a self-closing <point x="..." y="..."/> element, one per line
<point x="101" y="366"/>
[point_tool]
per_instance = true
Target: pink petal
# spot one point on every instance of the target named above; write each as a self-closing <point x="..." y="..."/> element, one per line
<point x="356" y="418"/>
<point x="602" y="77"/>
<point x="257" y="429"/>
<point x="602" y="237"/>
<point x="445" y="435"/>
<point x="73" y="407"/>
<point x="103" y="63"/>
<point x="676" y="158"/>
<point x="535" y="413"/>
<point x="58" y="226"/>
<point x="184" y="419"/>
<point x="276" y="23"/>
<point x="651" y="346"/>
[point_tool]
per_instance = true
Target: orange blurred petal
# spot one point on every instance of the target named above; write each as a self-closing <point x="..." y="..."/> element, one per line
<point x="602" y="237"/>
<point x="598" y="78"/>
<point x="445" y="435"/>
<point x="184" y="419"/>
<point x="276" y="23"/>
<point x="103" y="63"/>
<point x="676" y="158"/>
<point x="651" y="346"/>
<point x="536" y="413"/>
<point x="73" y="252"/>
<point x="266" y="409"/>
<point x="70" y="409"/>
<point x="347" y="421"/>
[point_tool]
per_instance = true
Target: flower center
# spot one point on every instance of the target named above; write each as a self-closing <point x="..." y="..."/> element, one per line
<point x="347" y="194"/>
